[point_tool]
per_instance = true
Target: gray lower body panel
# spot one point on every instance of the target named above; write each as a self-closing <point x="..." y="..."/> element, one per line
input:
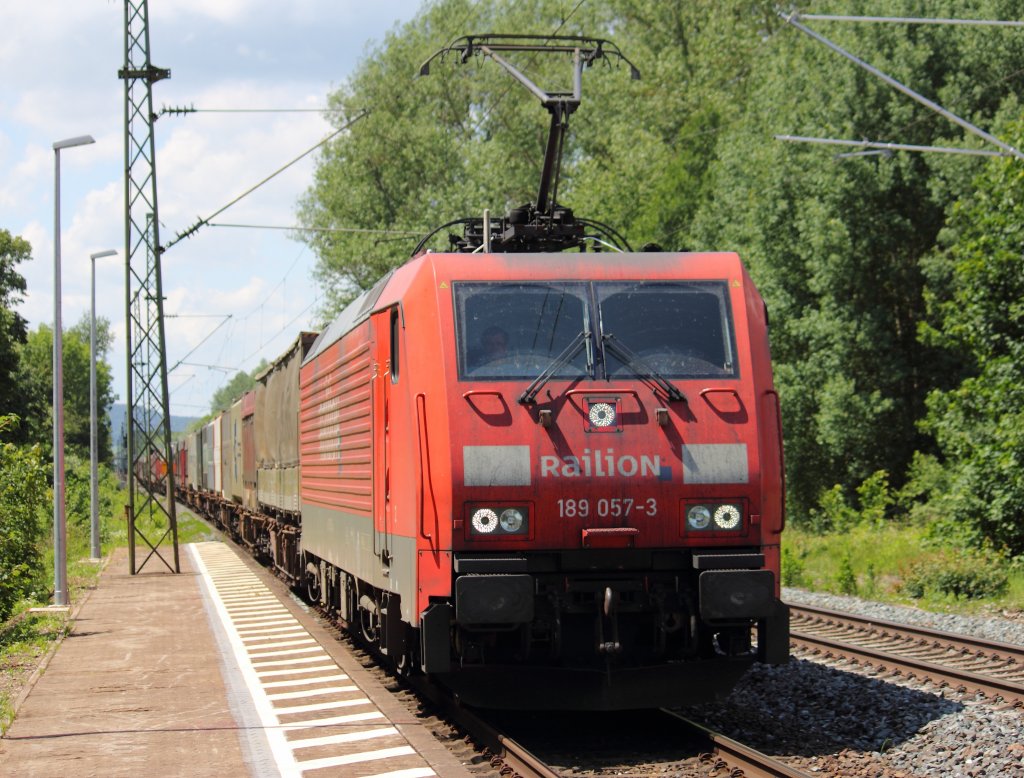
<point x="349" y="541"/>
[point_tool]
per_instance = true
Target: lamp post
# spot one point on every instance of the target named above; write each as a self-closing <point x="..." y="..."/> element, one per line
<point x="60" y="562"/>
<point x="94" y="490"/>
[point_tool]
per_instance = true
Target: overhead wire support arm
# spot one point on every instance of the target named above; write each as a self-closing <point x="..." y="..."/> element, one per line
<point x="867" y="144"/>
<point x="190" y="231"/>
<point x="913" y="20"/>
<point x="791" y="18"/>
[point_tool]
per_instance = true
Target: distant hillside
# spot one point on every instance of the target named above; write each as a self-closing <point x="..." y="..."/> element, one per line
<point x="118" y="411"/>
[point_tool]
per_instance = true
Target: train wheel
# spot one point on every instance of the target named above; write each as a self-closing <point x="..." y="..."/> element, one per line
<point x="313" y="584"/>
<point x="369" y="618"/>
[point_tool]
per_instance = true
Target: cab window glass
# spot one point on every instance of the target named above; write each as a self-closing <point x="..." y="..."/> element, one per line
<point x="516" y="330"/>
<point x="681" y="329"/>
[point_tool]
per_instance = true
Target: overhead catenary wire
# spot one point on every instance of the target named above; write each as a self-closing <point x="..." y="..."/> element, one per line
<point x="867" y="144"/>
<point x="912" y="20"/>
<point x="283" y="329"/>
<point x="791" y="18"/>
<point x="316" y="229"/>
<point x="183" y="110"/>
<point x="227" y="317"/>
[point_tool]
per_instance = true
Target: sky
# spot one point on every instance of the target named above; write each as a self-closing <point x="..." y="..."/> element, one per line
<point x="247" y="292"/>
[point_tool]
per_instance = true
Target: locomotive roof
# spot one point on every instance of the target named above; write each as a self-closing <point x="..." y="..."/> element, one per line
<point x="353" y="313"/>
<point x="532" y="264"/>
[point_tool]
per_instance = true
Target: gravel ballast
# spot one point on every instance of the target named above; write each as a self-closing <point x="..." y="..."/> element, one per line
<point x="839" y="718"/>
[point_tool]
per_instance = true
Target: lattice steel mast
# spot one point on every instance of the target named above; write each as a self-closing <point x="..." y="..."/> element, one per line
<point x="149" y="427"/>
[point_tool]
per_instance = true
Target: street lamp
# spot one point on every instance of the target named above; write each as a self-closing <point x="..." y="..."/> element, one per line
<point x="60" y="562"/>
<point x="94" y="491"/>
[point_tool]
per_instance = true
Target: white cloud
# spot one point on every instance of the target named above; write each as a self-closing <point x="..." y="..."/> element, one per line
<point x="59" y="62"/>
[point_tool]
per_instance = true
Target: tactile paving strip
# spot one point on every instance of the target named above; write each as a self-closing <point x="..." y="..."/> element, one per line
<point x="318" y="722"/>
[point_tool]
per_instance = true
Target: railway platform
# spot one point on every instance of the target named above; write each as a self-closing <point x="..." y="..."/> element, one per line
<point x="213" y="672"/>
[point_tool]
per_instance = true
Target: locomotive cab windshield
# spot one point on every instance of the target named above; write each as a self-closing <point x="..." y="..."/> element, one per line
<point x="667" y="329"/>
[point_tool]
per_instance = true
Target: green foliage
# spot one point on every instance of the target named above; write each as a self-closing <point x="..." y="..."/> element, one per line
<point x="834" y="513"/>
<point x="793" y="568"/>
<point x="35" y="378"/>
<point x="467" y="137"/>
<point x="875" y="498"/>
<point x="869" y="318"/>
<point x="846" y="579"/>
<point x="232" y="391"/>
<point x="13" y="330"/>
<point x="977" y="312"/>
<point x="22" y="499"/>
<point x="958" y="574"/>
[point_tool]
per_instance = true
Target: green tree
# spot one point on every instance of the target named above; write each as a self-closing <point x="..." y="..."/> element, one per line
<point x="686" y="157"/>
<point x="35" y="378"/>
<point x="232" y="391"/>
<point x="468" y="137"/>
<point x="13" y="329"/>
<point x="977" y="303"/>
<point x="836" y="244"/>
<point x="22" y="497"/>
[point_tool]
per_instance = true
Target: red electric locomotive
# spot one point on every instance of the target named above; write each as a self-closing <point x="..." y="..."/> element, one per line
<point x="548" y="478"/>
<point x="550" y="471"/>
<point x="524" y="470"/>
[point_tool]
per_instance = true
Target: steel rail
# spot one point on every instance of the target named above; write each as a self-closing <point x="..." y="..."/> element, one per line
<point x="741" y="759"/>
<point x="954" y="639"/>
<point x="515" y="759"/>
<point x="990" y="686"/>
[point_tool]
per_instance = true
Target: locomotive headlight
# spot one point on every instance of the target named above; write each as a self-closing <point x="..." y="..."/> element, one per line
<point x="727" y="517"/>
<point x="485" y="521"/>
<point x="602" y="414"/>
<point x="511" y="520"/>
<point x="698" y="517"/>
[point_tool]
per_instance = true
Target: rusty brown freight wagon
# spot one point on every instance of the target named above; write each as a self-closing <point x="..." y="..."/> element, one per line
<point x="277" y="430"/>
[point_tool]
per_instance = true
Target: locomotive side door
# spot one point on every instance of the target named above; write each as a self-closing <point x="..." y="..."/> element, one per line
<point x="384" y="366"/>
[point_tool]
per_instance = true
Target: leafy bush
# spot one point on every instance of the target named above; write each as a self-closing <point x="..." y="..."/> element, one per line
<point x="958" y="574"/>
<point x="846" y="579"/>
<point x="22" y="497"/>
<point x="793" y="573"/>
<point x="835" y="514"/>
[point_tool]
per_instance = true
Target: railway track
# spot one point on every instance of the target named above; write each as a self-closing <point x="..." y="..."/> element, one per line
<point x="946" y="658"/>
<point x="734" y="757"/>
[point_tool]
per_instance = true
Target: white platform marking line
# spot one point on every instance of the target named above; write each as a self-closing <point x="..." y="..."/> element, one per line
<point x="332" y="721"/>
<point x="285" y="652"/>
<point x="312" y="693"/>
<point x="239" y="601"/>
<point x="322" y="706"/>
<point x="316" y="669"/>
<point x="364" y="756"/>
<point x="266" y="632"/>
<point x="350" y="737"/>
<point x="299" y="660"/>
<point x="303" y="681"/>
<point x="412" y="772"/>
<point x="242" y="602"/>
<point x="267" y="627"/>
<point x="306" y="641"/>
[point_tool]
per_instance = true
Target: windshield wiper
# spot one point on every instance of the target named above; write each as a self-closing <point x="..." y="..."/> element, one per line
<point x="529" y="395"/>
<point x="641" y="367"/>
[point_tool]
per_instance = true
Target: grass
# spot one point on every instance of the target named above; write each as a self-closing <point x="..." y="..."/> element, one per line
<point x="878" y="562"/>
<point x="24" y="641"/>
